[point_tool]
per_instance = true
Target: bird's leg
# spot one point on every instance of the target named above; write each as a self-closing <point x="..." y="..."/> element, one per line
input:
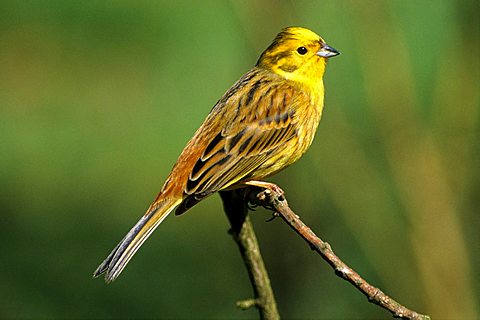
<point x="267" y="190"/>
<point x="271" y="187"/>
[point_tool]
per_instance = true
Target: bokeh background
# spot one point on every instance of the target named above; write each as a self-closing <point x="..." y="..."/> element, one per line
<point x="98" y="98"/>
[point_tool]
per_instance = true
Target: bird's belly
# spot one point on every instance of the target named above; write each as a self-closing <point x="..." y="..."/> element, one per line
<point x="289" y="154"/>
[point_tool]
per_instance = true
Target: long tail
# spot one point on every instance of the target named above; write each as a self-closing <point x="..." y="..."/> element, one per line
<point x="116" y="261"/>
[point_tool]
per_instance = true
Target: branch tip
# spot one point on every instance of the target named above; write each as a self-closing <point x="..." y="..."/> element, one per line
<point x="246" y="304"/>
<point x="272" y="198"/>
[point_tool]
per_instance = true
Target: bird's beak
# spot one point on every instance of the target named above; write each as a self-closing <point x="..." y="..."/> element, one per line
<point x="327" y="52"/>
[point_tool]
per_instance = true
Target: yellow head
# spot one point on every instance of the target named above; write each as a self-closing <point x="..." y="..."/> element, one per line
<point x="297" y="54"/>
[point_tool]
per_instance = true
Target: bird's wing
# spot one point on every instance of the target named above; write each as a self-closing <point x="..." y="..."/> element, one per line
<point x="263" y="123"/>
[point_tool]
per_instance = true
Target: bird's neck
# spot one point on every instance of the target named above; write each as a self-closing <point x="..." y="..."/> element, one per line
<point x="309" y="78"/>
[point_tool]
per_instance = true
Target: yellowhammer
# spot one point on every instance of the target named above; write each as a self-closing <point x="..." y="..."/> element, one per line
<point x="262" y="124"/>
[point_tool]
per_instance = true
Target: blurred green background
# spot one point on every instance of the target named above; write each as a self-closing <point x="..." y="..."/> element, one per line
<point x="98" y="98"/>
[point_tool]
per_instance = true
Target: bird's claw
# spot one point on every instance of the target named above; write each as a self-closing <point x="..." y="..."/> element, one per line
<point x="275" y="214"/>
<point x="251" y="205"/>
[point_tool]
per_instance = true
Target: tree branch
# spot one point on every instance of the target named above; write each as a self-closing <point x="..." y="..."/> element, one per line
<point x="272" y="198"/>
<point x="242" y="231"/>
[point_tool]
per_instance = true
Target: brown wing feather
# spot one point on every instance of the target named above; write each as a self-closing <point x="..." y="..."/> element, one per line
<point x="262" y="123"/>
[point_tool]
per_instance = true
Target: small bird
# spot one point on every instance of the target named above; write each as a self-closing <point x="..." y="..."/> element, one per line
<point x="265" y="122"/>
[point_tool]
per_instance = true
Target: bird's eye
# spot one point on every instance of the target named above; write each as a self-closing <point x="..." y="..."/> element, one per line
<point x="302" y="50"/>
